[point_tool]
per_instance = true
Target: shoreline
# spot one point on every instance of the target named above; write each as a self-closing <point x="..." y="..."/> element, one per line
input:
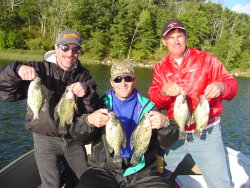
<point x="235" y="72"/>
<point x="9" y="55"/>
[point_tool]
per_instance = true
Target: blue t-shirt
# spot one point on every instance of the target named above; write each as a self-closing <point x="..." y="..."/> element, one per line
<point x="127" y="111"/>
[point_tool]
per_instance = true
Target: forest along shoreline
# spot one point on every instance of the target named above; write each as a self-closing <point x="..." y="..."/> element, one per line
<point x="10" y="55"/>
<point x="235" y="72"/>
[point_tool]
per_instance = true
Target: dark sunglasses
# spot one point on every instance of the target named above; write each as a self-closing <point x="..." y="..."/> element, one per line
<point x="74" y="50"/>
<point x="119" y="79"/>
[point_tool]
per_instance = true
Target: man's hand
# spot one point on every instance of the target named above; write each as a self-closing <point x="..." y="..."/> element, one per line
<point x="27" y="73"/>
<point x="171" y="89"/>
<point x="79" y="89"/>
<point x="213" y="90"/>
<point x="99" y="118"/>
<point x="158" y="120"/>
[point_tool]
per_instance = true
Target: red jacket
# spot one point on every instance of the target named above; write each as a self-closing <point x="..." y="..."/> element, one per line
<point x="198" y="69"/>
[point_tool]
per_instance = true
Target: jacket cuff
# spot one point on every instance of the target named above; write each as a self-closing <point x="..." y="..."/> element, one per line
<point x="224" y="90"/>
<point x="81" y="131"/>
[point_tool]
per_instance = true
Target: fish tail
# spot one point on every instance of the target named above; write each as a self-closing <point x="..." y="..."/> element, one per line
<point x="197" y="132"/>
<point x="182" y="135"/>
<point x="134" y="159"/>
<point x="62" y="129"/>
<point x="117" y="158"/>
<point x="35" y="116"/>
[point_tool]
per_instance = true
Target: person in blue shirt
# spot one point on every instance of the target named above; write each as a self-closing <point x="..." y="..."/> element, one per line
<point x="129" y="107"/>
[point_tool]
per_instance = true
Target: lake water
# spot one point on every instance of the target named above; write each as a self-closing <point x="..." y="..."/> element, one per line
<point x="15" y="140"/>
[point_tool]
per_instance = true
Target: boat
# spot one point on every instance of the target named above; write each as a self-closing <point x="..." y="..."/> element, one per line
<point x="239" y="167"/>
<point x="23" y="172"/>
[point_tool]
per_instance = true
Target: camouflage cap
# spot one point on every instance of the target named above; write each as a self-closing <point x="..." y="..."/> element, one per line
<point x="124" y="68"/>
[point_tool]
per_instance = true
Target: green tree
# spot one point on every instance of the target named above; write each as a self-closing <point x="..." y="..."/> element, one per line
<point x="92" y="15"/>
<point x="126" y="28"/>
<point x="27" y="13"/>
<point x="58" y="15"/>
<point x="196" y="23"/>
<point x="145" y="39"/>
<point x="2" y="39"/>
<point x="123" y="28"/>
<point x="95" y="47"/>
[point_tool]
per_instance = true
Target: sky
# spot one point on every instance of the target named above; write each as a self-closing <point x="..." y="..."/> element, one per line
<point x="241" y="6"/>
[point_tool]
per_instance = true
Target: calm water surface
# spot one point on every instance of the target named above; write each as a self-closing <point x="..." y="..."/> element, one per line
<point x="15" y="140"/>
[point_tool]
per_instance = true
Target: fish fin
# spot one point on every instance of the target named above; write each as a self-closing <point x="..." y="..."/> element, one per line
<point x="69" y="121"/>
<point x="134" y="159"/>
<point x="56" y="116"/>
<point x="110" y="148"/>
<point x="44" y="106"/>
<point x="35" y="116"/>
<point x="117" y="158"/>
<point x="29" y="111"/>
<point x="132" y="144"/>
<point x="76" y="107"/>
<point x="124" y="142"/>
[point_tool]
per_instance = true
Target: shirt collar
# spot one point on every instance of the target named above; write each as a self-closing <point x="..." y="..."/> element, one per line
<point x="130" y="98"/>
<point x="185" y="55"/>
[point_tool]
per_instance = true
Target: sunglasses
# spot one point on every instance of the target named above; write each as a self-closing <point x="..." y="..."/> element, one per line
<point x="119" y="79"/>
<point x="74" y="50"/>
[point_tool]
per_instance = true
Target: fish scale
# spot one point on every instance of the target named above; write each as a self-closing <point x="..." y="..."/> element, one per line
<point x="140" y="138"/>
<point x="201" y="114"/>
<point x="64" y="111"/>
<point x="115" y="136"/>
<point x="36" y="100"/>
<point x="181" y="114"/>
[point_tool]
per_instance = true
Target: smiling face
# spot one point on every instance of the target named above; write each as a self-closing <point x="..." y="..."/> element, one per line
<point x="123" y="89"/>
<point x="66" y="59"/>
<point x="175" y="41"/>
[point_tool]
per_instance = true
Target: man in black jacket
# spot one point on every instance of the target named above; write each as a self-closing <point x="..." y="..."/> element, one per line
<point x="129" y="107"/>
<point x="64" y="71"/>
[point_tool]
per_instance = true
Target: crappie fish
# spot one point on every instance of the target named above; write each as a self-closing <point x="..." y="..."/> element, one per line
<point x="64" y="111"/>
<point x="140" y="139"/>
<point x="115" y="136"/>
<point x="36" y="100"/>
<point x="181" y="114"/>
<point x="201" y="114"/>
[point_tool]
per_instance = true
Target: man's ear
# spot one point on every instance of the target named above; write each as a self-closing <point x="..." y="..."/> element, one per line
<point x="56" y="47"/>
<point x="111" y="82"/>
<point x="163" y="41"/>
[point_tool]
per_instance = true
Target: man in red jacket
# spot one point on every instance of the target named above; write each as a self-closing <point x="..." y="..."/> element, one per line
<point x="197" y="74"/>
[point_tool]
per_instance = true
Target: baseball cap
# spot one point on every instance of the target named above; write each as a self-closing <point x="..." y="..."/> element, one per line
<point x="172" y="24"/>
<point x="69" y="36"/>
<point x="123" y="68"/>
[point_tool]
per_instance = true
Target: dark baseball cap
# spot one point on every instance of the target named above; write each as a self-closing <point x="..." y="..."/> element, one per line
<point x="172" y="24"/>
<point x="69" y="36"/>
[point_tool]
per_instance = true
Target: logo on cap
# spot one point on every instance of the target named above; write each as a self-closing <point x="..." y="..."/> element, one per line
<point x="72" y="35"/>
<point x="172" y="24"/>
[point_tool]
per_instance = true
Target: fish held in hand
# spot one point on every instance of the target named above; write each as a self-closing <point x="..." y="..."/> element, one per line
<point x="36" y="100"/>
<point x="115" y="137"/>
<point x="140" y="139"/>
<point x="201" y="114"/>
<point x="64" y="111"/>
<point x="181" y="114"/>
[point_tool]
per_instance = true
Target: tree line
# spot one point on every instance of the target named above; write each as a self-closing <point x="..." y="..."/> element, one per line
<point x="121" y="29"/>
